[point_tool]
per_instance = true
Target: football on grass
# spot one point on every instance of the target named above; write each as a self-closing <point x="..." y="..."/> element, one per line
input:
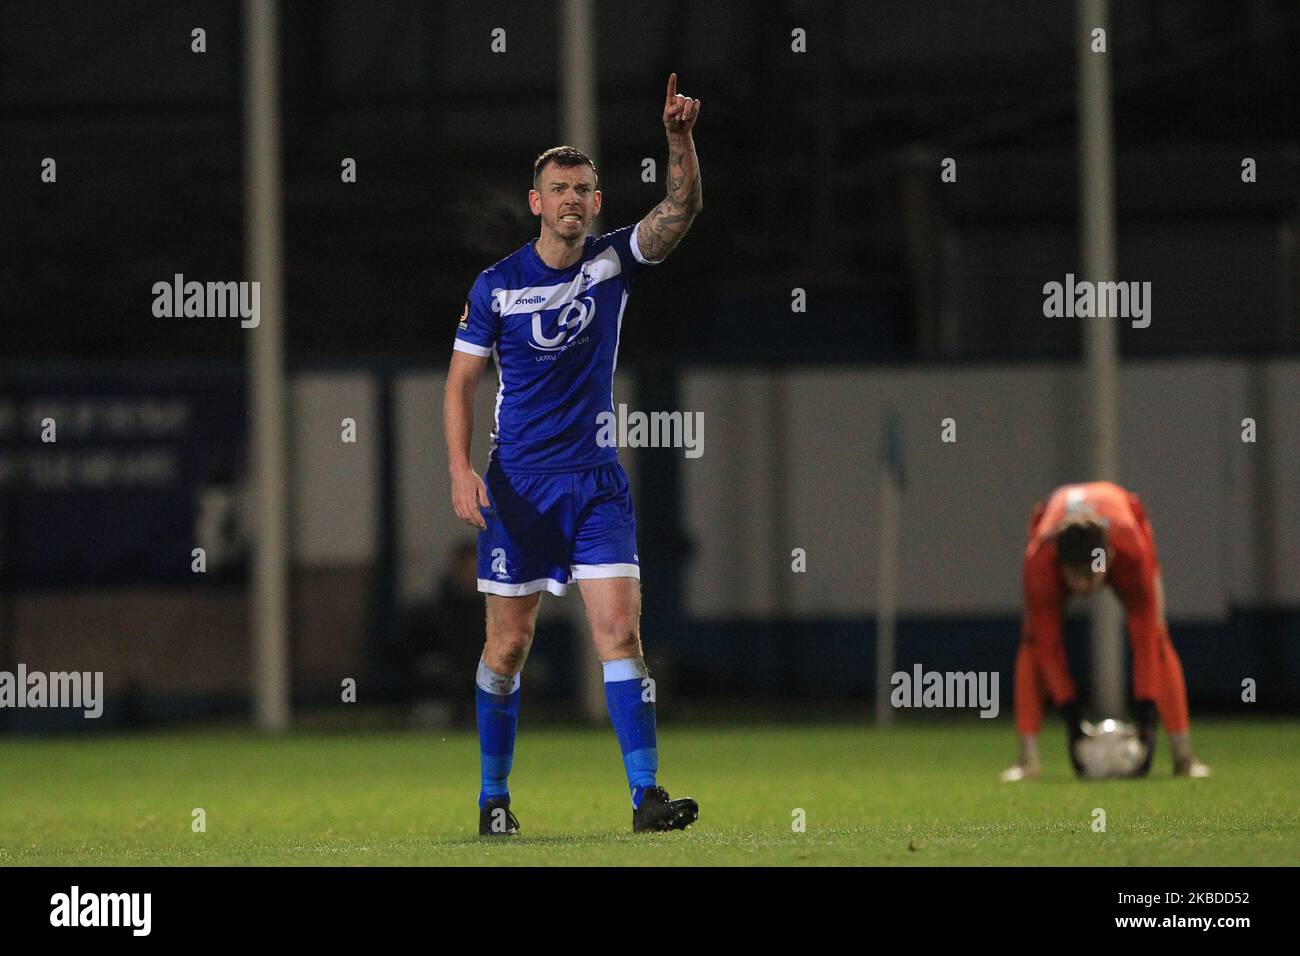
<point x="1112" y="749"/>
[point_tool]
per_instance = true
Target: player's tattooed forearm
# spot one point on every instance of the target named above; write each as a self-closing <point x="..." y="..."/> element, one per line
<point x="683" y="187"/>
<point x="660" y="232"/>
<point x="692" y="201"/>
<point x="675" y="172"/>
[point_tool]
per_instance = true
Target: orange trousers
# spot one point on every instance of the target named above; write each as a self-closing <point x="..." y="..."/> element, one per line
<point x="1039" y="677"/>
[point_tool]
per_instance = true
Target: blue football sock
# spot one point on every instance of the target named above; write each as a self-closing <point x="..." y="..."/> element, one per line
<point x="497" y="701"/>
<point x="630" y="694"/>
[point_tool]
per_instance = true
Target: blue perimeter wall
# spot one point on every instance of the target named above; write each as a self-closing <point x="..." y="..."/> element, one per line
<point x="835" y="658"/>
<point x="735" y="669"/>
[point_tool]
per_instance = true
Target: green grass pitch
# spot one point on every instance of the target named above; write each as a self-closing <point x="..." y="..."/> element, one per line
<point x="923" y="793"/>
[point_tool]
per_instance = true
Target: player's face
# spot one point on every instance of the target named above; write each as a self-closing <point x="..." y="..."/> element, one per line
<point x="1083" y="582"/>
<point x="562" y="194"/>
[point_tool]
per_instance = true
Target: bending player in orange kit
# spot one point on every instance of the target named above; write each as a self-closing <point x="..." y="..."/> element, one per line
<point x="1086" y="536"/>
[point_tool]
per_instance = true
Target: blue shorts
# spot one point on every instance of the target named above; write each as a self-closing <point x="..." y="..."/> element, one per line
<point x="546" y="531"/>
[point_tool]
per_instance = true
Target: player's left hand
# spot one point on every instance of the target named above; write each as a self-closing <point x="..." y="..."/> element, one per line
<point x="680" y="112"/>
<point x="1021" y="771"/>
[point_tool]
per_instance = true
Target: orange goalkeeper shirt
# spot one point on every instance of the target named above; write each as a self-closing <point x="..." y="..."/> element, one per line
<point x="1131" y="570"/>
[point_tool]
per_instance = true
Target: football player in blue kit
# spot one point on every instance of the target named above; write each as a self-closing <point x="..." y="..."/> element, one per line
<point x="553" y="506"/>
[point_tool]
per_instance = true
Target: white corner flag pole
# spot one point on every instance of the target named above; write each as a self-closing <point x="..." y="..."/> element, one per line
<point x="269" y="613"/>
<point x="1101" y="335"/>
<point x="577" y="83"/>
<point x="891" y="490"/>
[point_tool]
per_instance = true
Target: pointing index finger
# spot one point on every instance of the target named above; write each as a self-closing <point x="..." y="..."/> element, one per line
<point x="672" y="85"/>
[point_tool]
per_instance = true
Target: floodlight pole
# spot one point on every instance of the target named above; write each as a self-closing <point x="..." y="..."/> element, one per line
<point x="269" y="610"/>
<point x="579" y="126"/>
<point x="887" y="597"/>
<point x="1100" y="333"/>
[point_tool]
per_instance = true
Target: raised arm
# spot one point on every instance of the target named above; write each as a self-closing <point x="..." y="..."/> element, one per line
<point x="663" y="227"/>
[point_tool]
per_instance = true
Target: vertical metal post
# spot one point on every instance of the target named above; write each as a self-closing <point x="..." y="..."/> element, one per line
<point x="578" y="78"/>
<point x="577" y="82"/>
<point x="269" y="612"/>
<point x="1100" y="333"/>
<point x="891" y="492"/>
<point x="887" y="599"/>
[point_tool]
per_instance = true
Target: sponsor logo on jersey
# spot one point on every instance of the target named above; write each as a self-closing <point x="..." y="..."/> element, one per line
<point x="572" y="321"/>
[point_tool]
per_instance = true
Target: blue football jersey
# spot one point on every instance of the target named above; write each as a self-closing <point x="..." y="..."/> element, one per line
<point x="553" y="334"/>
